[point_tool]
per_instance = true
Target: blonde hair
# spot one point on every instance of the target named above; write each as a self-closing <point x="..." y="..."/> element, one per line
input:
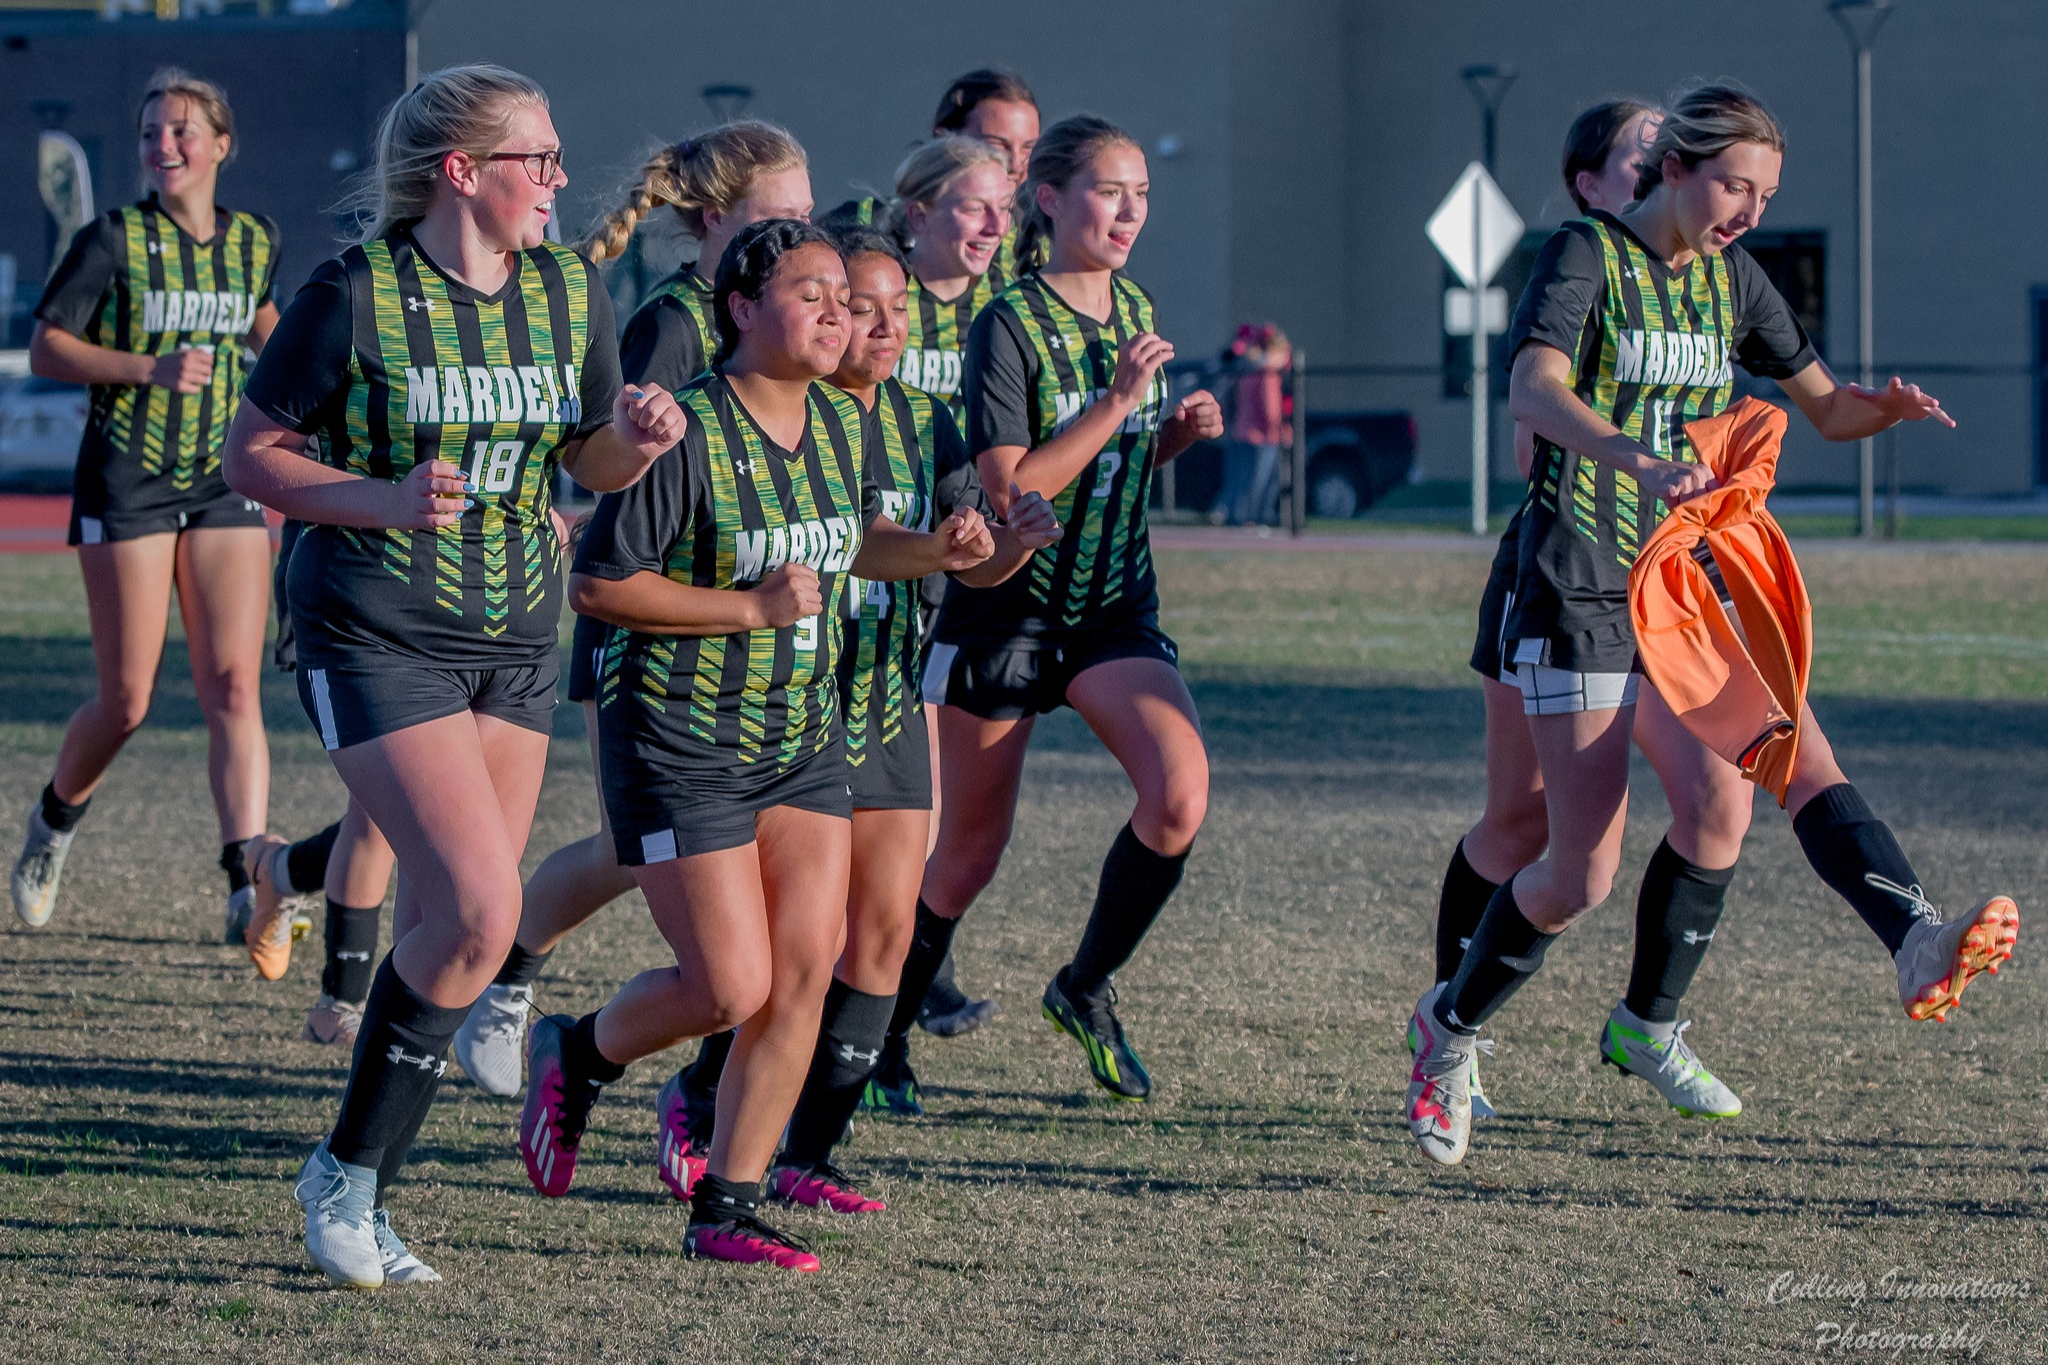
<point x="209" y="99"/>
<point x="1702" y="124"/>
<point x="713" y="170"/>
<point x="1063" y="151"/>
<point x="927" y="173"/>
<point x="456" y="109"/>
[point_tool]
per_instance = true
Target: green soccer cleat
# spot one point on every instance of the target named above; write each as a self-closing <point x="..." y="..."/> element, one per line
<point x="1092" y="1022"/>
<point x="1659" y="1054"/>
<point x="892" y="1085"/>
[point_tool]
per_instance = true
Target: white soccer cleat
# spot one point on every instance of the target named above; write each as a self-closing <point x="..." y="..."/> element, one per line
<point x="1659" y="1054"/>
<point x="38" y="869"/>
<point x="400" y="1265"/>
<point x="1938" y="960"/>
<point x="491" y="1044"/>
<point x="341" y="1235"/>
<point x="1440" y="1085"/>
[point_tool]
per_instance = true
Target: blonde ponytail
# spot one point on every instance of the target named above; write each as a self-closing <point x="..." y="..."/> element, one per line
<point x="456" y="109"/>
<point x="713" y="170"/>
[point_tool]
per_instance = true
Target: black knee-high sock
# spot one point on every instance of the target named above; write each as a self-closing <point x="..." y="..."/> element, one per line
<point x="1848" y="845"/>
<point x="1135" y="886"/>
<point x="849" y="1043"/>
<point x="231" y="863"/>
<point x="930" y="941"/>
<point x="59" y="814"/>
<point x="351" y="948"/>
<point x="522" y="967"/>
<point x="1459" y="907"/>
<point x="701" y="1076"/>
<point x="1676" y="911"/>
<point x="1506" y="951"/>
<point x="401" y="1051"/>
<point x="305" y="863"/>
<point x="400" y="1147"/>
<point x="580" y="1055"/>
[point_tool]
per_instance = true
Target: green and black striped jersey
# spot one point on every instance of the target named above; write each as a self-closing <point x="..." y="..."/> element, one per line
<point x="672" y="335"/>
<point x="1033" y="363"/>
<point x="392" y="364"/>
<point x="133" y="280"/>
<point x="932" y="353"/>
<point x="1650" y="348"/>
<point x="924" y="474"/>
<point x="724" y="509"/>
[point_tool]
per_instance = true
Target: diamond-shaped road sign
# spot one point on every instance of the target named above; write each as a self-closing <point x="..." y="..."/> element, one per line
<point x="1475" y="227"/>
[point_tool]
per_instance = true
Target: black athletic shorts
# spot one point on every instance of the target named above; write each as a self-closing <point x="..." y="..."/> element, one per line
<point x="1018" y="678"/>
<point x="1489" y="650"/>
<point x="661" y="809"/>
<point x="586" y="644"/>
<point x="352" y="704"/>
<point x="97" y="519"/>
<point x="896" y="775"/>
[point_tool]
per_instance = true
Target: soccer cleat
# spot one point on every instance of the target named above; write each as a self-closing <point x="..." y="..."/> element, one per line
<point x="492" y="1037"/>
<point x="38" y="869"/>
<point x="948" y="1012"/>
<point x="1093" y="1023"/>
<point x="892" y="1085"/>
<point x="332" y="1021"/>
<point x="1630" y="1045"/>
<point x="822" y="1186"/>
<point x="1938" y="960"/>
<point x="241" y="911"/>
<point x="684" y="1144"/>
<point x="341" y="1236"/>
<point x="557" y="1110"/>
<point x="1440" y="1085"/>
<point x="272" y="928"/>
<point x="749" y="1241"/>
<point x="400" y="1265"/>
<point x="1482" y="1108"/>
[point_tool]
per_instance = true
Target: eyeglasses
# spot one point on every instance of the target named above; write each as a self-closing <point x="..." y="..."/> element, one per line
<point x="540" y="166"/>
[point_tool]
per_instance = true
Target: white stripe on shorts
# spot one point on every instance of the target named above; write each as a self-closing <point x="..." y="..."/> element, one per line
<point x="1548" y="691"/>
<point x="658" y="847"/>
<point x="936" y="670"/>
<point x="323" y="706"/>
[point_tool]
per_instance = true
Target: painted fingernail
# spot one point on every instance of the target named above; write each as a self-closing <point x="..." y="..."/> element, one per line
<point x="468" y="503"/>
<point x="468" y="487"/>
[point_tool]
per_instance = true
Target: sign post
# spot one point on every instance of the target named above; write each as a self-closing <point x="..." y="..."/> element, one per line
<point x="1474" y="229"/>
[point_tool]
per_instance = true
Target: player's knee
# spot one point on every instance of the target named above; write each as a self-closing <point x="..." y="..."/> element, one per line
<point x="126" y="706"/>
<point x="238" y="696"/>
<point x="735" y="991"/>
<point x="1521" y="834"/>
<point x="1176" y="817"/>
<point x="967" y="866"/>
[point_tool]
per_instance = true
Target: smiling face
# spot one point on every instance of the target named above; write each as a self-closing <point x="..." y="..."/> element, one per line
<point x="961" y="232"/>
<point x="1723" y="197"/>
<point x="181" y="152"/>
<point x="1096" y="216"/>
<point x="878" y="306"/>
<point x="797" y="328"/>
<point x="1009" y="126"/>
<point x="509" y="209"/>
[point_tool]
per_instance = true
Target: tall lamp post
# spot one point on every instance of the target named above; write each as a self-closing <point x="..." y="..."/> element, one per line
<point x="1489" y="86"/>
<point x="1860" y="20"/>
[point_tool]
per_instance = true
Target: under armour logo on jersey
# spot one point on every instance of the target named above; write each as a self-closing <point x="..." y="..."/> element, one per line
<point x="849" y="1053"/>
<point x="415" y="304"/>
<point x="1055" y="339"/>
<point x="1695" y="936"/>
<point x="156" y="248"/>
<point x="1630" y="273"/>
<point x="398" y="1056"/>
<point x="744" y="467"/>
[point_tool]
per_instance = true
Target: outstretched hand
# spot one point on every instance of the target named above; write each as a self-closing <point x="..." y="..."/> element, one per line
<point x="1903" y="402"/>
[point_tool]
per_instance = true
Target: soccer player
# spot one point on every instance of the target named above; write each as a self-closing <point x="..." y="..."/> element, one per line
<point x="1686" y="885"/>
<point x="450" y="363"/>
<point x="1626" y="332"/>
<point x="924" y="475"/>
<point x="716" y="183"/>
<point x="151" y="306"/>
<point x="1065" y="399"/>
<point x="724" y="759"/>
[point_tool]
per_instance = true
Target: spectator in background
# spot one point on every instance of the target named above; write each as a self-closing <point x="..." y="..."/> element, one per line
<point x="1260" y="423"/>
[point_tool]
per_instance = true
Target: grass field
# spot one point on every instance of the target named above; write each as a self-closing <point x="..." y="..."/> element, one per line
<point x="1267" y="1204"/>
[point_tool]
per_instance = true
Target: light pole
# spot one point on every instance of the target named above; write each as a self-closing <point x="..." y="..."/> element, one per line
<point x="1860" y="20"/>
<point x="1489" y="86"/>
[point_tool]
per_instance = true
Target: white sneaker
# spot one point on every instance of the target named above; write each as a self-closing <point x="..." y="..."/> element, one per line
<point x="341" y="1235"/>
<point x="1659" y="1054"/>
<point x="1440" y="1085"/>
<point x="332" y="1022"/>
<point x="400" y="1265"/>
<point x="1937" y="960"/>
<point x="38" y="869"/>
<point x="491" y="1044"/>
<point x="1482" y="1108"/>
